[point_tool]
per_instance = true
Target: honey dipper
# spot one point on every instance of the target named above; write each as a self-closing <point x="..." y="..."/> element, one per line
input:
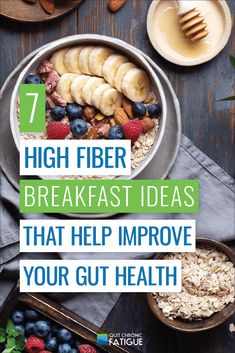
<point x="192" y="24"/>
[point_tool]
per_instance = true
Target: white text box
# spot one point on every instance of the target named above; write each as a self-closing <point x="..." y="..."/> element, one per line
<point x="107" y="236"/>
<point x="75" y="157"/>
<point x="100" y="276"/>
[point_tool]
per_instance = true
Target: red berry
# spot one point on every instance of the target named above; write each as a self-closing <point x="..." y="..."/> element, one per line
<point x="57" y="130"/>
<point x="86" y="348"/>
<point x="133" y="129"/>
<point x="34" y="344"/>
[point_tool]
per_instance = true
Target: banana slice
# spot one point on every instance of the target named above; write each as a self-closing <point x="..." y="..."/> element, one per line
<point x="98" y="93"/>
<point x="57" y="61"/>
<point x="83" y="60"/>
<point x="63" y="87"/>
<point x="71" y="60"/>
<point x="96" y="59"/>
<point x="89" y="88"/>
<point x="111" y="99"/>
<point x="111" y="66"/>
<point x="136" y="85"/>
<point x="121" y="72"/>
<point x="77" y="87"/>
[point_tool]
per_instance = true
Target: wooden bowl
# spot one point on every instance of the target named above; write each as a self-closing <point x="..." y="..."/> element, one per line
<point x="204" y="324"/>
<point x="18" y="10"/>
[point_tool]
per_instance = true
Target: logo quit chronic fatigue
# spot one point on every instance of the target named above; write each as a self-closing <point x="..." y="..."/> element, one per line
<point x="120" y="339"/>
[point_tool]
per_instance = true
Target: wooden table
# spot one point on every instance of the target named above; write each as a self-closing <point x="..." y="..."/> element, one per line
<point x="208" y="123"/>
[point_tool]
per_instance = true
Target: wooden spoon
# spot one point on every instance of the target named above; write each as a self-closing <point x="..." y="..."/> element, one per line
<point x="192" y="24"/>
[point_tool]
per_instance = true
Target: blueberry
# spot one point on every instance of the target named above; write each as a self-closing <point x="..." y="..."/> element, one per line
<point x="58" y="113"/>
<point x="74" y="110"/>
<point x="51" y="344"/>
<point x="47" y="105"/>
<point x="64" y="335"/>
<point x="33" y="79"/>
<point x="154" y="110"/>
<point x="42" y="329"/>
<point x="139" y="110"/>
<point x="31" y="314"/>
<point x="21" y="329"/>
<point x="64" y="348"/>
<point x="17" y="316"/>
<point x="116" y="132"/>
<point x="78" y="127"/>
<point x="29" y="328"/>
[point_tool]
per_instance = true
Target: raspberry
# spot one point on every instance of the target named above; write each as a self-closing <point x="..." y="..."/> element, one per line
<point x="57" y="130"/>
<point x="34" y="344"/>
<point x="86" y="348"/>
<point x="133" y="129"/>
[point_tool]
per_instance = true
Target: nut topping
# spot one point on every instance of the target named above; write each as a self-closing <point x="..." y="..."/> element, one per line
<point x="147" y="124"/>
<point x="120" y="116"/>
<point x="115" y="5"/>
<point x="89" y="113"/>
<point x="127" y="105"/>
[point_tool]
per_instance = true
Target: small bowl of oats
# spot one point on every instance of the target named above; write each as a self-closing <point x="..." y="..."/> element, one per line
<point x="207" y="296"/>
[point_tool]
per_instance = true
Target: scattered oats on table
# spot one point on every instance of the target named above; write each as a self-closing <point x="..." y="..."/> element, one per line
<point x="207" y="285"/>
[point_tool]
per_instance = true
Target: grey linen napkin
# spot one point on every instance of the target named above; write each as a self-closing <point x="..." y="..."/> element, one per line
<point x="214" y="220"/>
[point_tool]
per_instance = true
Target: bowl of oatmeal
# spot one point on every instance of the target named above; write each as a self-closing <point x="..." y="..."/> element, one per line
<point x="96" y="88"/>
<point x="207" y="296"/>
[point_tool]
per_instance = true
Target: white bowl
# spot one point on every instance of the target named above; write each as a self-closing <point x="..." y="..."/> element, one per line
<point x="93" y="39"/>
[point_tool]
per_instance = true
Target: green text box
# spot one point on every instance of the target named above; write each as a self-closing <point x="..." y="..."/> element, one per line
<point x="109" y="196"/>
<point x="32" y="108"/>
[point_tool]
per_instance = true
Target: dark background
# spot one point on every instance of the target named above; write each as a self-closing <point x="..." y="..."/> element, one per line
<point x="208" y="123"/>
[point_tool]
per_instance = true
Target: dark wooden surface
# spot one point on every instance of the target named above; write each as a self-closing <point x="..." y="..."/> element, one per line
<point x="208" y="123"/>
